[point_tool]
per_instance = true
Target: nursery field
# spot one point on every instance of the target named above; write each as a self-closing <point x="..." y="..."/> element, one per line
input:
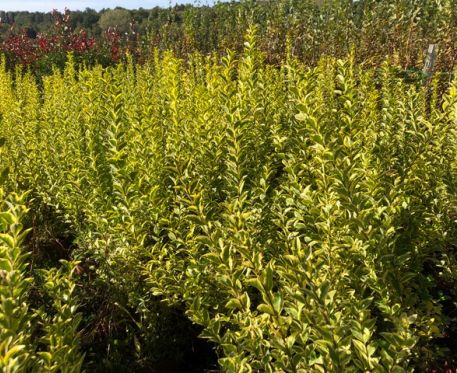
<point x="222" y="213"/>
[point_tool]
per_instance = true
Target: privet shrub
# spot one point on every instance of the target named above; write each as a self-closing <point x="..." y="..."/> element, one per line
<point x="60" y="324"/>
<point x="293" y="212"/>
<point x="15" y="321"/>
<point x="20" y="349"/>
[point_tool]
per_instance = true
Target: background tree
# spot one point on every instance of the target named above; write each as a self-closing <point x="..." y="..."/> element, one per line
<point x="118" y="18"/>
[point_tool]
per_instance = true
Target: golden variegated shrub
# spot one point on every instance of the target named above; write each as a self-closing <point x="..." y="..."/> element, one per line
<point x="19" y="349"/>
<point x="15" y="321"/>
<point x="293" y="212"/>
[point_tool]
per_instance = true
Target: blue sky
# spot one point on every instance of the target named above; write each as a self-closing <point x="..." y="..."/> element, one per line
<point x="48" y="5"/>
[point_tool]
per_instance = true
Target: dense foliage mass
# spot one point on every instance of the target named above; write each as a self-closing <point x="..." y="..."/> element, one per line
<point x="35" y="335"/>
<point x="372" y="28"/>
<point x="303" y="217"/>
<point x="44" y="51"/>
<point x="292" y="201"/>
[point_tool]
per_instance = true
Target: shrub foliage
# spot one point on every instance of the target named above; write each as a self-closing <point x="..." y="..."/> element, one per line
<point x="303" y="217"/>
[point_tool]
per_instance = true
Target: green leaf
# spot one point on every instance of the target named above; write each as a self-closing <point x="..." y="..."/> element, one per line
<point x="46" y="356"/>
<point x="256" y="283"/>
<point x="361" y="347"/>
<point x="233" y="304"/>
<point x="268" y="279"/>
<point x="12" y="352"/>
<point x="265" y="308"/>
<point x="7" y="218"/>
<point x="5" y="265"/>
<point x="8" y="240"/>
<point x="277" y="303"/>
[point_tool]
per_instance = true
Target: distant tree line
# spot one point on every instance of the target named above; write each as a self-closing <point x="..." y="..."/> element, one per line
<point x="92" y="21"/>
